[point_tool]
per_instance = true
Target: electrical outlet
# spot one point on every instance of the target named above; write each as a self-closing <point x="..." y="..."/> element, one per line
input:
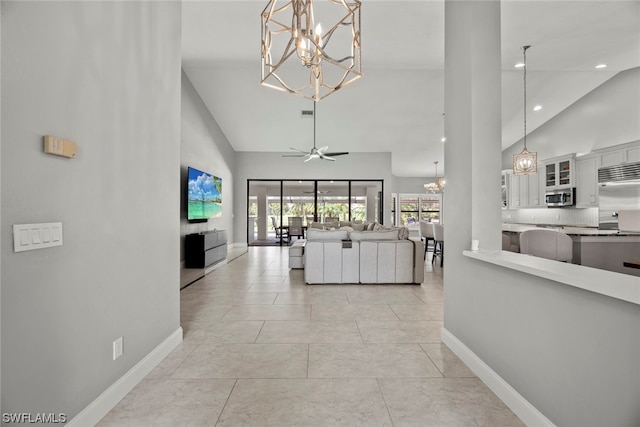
<point x="118" y="348"/>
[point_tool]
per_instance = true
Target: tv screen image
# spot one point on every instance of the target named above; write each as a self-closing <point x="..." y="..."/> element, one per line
<point x="204" y="195"/>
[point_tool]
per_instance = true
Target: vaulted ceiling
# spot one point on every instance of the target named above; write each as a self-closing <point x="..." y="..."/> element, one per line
<point x="397" y="105"/>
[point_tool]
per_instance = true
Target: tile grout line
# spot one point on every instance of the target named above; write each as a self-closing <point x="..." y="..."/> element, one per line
<point x="226" y="401"/>
<point x="386" y="406"/>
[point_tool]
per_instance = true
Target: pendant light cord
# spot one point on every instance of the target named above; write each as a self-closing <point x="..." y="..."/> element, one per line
<point x="524" y="52"/>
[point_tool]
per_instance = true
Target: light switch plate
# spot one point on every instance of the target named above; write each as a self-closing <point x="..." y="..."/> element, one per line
<point x="59" y="146"/>
<point x="27" y="237"/>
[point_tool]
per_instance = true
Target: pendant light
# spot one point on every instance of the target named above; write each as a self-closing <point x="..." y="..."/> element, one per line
<point x="438" y="185"/>
<point x="525" y="162"/>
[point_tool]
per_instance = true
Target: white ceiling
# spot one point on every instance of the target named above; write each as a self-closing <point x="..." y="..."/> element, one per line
<point x="397" y="105"/>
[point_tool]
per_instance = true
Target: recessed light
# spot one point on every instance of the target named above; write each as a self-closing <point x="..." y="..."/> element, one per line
<point x="601" y="66"/>
<point x="519" y="65"/>
<point x="537" y="108"/>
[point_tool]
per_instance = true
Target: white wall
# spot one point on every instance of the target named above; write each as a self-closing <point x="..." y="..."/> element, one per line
<point x="265" y="165"/>
<point x="606" y="116"/>
<point x="107" y="76"/>
<point x="204" y="147"/>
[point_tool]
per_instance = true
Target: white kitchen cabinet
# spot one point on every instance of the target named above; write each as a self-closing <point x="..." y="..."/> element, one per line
<point x="632" y="154"/>
<point x="524" y="191"/>
<point x="612" y="158"/>
<point x="536" y="198"/>
<point x="625" y="153"/>
<point x="558" y="172"/>
<point x="505" y="188"/>
<point x="586" y="172"/>
<point x="514" y="192"/>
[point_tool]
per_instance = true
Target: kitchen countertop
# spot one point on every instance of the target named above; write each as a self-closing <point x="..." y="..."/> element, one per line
<point x="570" y="230"/>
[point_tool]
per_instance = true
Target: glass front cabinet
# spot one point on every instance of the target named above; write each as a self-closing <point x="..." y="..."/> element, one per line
<point x="558" y="172"/>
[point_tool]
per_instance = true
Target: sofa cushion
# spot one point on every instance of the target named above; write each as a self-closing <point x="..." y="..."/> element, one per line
<point x="324" y="225"/>
<point x="374" y="235"/>
<point x="359" y="227"/>
<point x="315" y="234"/>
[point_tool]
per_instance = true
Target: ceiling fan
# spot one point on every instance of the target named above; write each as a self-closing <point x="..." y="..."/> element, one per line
<point x="315" y="153"/>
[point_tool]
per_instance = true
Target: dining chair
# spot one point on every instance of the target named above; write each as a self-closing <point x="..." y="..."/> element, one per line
<point x="280" y="232"/>
<point x="438" y="243"/>
<point x="295" y="227"/>
<point x="426" y="234"/>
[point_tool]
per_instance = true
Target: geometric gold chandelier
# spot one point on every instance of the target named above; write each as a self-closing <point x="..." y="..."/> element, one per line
<point x="311" y="51"/>
<point x="525" y="162"/>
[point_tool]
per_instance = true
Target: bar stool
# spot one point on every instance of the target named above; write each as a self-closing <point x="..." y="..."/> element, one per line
<point x="426" y="234"/>
<point x="438" y="245"/>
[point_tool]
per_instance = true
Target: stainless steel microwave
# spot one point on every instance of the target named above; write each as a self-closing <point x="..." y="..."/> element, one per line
<point x="560" y="198"/>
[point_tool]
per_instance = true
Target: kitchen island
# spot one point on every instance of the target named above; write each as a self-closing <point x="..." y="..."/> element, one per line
<point x="602" y="249"/>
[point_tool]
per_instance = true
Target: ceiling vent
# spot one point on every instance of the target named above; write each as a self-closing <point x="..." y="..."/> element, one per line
<point x="306" y="114"/>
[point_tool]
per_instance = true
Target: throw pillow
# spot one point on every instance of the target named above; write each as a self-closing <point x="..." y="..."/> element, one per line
<point x="403" y="233"/>
<point x="359" y="227"/>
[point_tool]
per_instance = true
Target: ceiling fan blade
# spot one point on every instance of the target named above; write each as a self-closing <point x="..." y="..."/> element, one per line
<point x="325" y="157"/>
<point x="337" y="154"/>
<point x="293" y="155"/>
<point x="297" y="149"/>
<point x="307" y="159"/>
<point x="323" y="149"/>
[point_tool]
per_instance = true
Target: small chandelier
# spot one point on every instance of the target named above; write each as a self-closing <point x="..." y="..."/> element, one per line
<point x="308" y="58"/>
<point x="525" y="162"/>
<point x="438" y="185"/>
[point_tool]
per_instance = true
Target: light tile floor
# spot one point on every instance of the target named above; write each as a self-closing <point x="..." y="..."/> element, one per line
<point x="261" y="348"/>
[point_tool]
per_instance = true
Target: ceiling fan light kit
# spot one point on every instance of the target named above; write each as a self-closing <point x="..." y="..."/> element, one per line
<point x="311" y="52"/>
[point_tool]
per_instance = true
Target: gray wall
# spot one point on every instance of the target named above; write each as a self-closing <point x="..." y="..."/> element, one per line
<point x="107" y="76"/>
<point x="571" y="353"/>
<point x="606" y="116"/>
<point x="204" y="147"/>
<point x="264" y="165"/>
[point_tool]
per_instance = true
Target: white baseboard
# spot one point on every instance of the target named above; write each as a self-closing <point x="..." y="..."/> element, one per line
<point x="97" y="409"/>
<point x="514" y="400"/>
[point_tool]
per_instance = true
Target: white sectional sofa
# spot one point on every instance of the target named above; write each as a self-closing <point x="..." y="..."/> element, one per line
<point x="345" y="256"/>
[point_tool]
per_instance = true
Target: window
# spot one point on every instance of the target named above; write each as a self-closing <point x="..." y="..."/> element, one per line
<point x="417" y="207"/>
<point x="409" y="212"/>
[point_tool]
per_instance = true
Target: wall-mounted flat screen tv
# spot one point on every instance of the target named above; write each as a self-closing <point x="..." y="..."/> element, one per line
<point x="204" y="195"/>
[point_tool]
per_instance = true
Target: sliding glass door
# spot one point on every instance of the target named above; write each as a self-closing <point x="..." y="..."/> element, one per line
<point x="276" y="207"/>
